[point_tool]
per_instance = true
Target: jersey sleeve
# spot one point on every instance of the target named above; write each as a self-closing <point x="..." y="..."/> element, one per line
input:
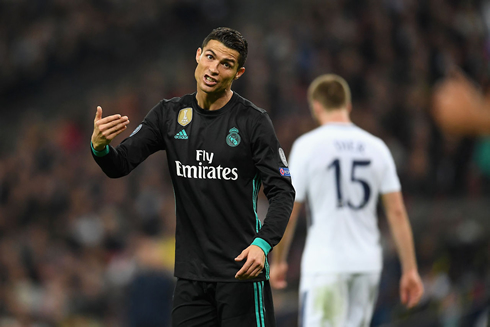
<point x="271" y="163"/>
<point x="389" y="178"/>
<point x="144" y="140"/>
<point x="298" y="171"/>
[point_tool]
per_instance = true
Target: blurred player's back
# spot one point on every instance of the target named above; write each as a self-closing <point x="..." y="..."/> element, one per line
<point x="341" y="169"/>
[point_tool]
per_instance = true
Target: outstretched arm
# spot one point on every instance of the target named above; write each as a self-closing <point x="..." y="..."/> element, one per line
<point x="279" y="266"/>
<point x="120" y="160"/>
<point x="411" y="288"/>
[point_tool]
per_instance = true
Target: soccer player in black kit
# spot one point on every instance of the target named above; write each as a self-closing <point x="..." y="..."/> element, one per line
<point x="220" y="149"/>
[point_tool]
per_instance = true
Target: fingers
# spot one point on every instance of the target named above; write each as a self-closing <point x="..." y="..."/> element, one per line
<point x="249" y="270"/>
<point x="254" y="265"/>
<point x="278" y="281"/>
<point x="242" y="255"/>
<point x="244" y="271"/>
<point x="111" y="119"/>
<point x="415" y="296"/>
<point x="281" y="284"/>
<point x="411" y="294"/>
<point x="404" y="295"/>
<point x="111" y="126"/>
<point x="278" y="272"/>
<point x="116" y="129"/>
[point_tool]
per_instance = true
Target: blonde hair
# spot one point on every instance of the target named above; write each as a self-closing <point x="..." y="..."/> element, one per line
<point x="331" y="91"/>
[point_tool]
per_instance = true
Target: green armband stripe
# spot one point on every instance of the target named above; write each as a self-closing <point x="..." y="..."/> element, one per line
<point x="99" y="153"/>
<point x="262" y="244"/>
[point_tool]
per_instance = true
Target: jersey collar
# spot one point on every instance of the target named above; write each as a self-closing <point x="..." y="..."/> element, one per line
<point x="220" y="111"/>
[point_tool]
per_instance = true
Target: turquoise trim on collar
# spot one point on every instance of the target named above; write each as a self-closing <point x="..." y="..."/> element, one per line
<point x="262" y="244"/>
<point x="99" y="153"/>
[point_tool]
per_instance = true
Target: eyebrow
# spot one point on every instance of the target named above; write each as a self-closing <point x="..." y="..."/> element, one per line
<point x="232" y="60"/>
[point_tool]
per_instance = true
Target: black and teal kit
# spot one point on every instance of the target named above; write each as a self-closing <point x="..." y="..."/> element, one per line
<point x="218" y="161"/>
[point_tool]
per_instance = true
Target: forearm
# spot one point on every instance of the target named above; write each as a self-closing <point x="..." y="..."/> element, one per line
<point x="281" y="199"/>
<point x="111" y="162"/>
<point x="281" y="250"/>
<point x="400" y="229"/>
<point x="402" y="235"/>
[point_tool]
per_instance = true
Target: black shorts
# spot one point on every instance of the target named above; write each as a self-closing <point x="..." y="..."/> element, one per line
<point x="217" y="304"/>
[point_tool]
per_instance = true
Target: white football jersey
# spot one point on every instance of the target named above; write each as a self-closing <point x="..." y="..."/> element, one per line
<point x="340" y="170"/>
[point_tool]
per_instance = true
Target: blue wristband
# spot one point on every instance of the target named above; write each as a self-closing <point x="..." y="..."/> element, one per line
<point x="99" y="153"/>
<point x="262" y="244"/>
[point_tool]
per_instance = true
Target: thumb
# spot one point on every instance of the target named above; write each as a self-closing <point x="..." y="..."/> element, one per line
<point x="241" y="256"/>
<point x="98" y="115"/>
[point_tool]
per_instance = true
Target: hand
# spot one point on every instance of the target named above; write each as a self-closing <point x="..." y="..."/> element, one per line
<point x="411" y="288"/>
<point x="277" y="276"/>
<point x="458" y="105"/>
<point x="255" y="262"/>
<point x="106" y="129"/>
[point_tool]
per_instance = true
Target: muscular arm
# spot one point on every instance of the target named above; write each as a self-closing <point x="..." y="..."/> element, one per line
<point x="411" y="288"/>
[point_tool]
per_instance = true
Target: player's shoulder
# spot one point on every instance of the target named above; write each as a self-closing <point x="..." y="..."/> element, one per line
<point x="248" y="106"/>
<point x="167" y="108"/>
<point x="185" y="100"/>
<point x="307" y="141"/>
<point x="374" y="141"/>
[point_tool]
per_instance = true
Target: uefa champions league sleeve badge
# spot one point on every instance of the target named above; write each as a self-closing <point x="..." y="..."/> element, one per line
<point x="233" y="139"/>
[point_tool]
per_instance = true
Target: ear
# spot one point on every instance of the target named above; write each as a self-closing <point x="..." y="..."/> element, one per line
<point x="198" y="54"/>
<point x="239" y="73"/>
<point x="316" y="109"/>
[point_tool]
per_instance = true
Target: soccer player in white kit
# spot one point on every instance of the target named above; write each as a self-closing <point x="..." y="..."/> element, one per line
<point x="340" y="170"/>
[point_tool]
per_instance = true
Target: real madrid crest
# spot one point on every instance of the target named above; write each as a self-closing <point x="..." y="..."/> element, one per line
<point x="233" y="139"/>
<point x="185" y="116"/>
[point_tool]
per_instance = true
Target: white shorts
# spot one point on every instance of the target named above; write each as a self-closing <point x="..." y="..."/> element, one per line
<point x="338" y="299"/>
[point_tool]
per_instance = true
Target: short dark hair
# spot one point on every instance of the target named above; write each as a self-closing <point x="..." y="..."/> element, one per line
<point x="231" y="39"/>
<point x="332" y="91"/>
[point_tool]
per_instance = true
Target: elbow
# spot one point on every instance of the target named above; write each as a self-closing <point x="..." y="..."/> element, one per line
<point x="114" y="174"/>
<point x="397" y="216"/>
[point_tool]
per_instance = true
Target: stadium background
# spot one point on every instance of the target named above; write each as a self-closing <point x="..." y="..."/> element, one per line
<point x="78" y="249"/>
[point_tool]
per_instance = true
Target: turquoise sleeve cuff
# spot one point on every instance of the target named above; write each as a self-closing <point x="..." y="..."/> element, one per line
<point x="99" y="153"/>
<point x="262" y="244"/>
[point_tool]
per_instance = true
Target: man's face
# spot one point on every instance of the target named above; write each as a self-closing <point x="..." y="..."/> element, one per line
<point x="217" y="67"/>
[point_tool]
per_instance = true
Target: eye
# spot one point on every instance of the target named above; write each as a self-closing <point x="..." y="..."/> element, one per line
<point x="227" y="65"/>
<point x="210" y="57"/>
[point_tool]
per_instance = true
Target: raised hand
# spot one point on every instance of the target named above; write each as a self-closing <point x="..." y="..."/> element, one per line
<point x="255" y="262"/>
<point x="106" y="129"/>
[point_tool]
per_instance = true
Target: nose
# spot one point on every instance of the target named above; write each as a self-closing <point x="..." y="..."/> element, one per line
<point x="213" y="68"/>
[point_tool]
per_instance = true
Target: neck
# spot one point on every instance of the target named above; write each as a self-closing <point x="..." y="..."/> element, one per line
<point x="213" y="101"/>
<point x="333" y="116"/>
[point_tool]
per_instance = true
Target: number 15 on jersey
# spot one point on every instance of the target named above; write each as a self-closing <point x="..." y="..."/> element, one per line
<point x="355" y="165"/>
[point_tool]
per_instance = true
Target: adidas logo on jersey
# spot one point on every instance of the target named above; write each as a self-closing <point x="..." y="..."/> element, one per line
<point x="182" y="135"/>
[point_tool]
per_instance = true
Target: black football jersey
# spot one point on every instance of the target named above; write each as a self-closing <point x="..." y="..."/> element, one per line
<point x="218" y="161"/>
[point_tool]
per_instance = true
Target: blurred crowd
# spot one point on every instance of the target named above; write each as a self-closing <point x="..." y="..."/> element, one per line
<point x="79" y="249"/>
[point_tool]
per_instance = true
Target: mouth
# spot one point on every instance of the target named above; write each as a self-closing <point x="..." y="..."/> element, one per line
<point x="209" y="81"/>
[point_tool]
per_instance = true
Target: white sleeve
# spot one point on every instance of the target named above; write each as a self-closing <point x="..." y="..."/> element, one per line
<point x="389" y="178"/>
<point x="297" y="167"/>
